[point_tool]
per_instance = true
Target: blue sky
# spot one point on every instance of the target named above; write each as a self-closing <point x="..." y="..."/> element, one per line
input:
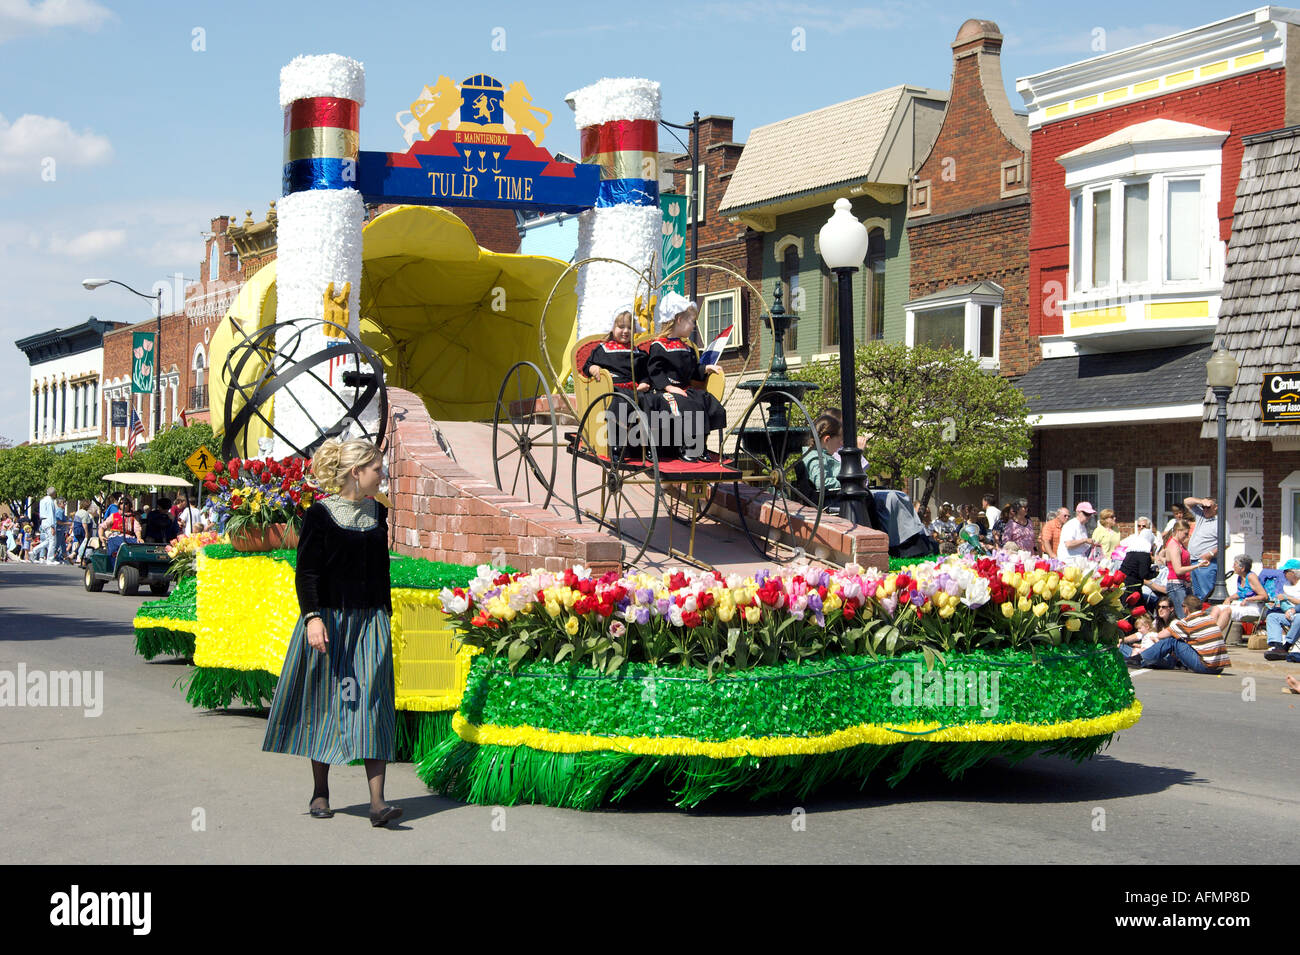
<point x="160" y="116"/>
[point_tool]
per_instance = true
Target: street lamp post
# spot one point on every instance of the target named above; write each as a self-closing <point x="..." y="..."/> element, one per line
<point x="92" y="284"/>
<point x="1221" y="373"/>
<point x="843" y="245"/>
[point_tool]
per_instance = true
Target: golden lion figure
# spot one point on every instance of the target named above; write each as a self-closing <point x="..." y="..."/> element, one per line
<point x="435" y="106"/>
<point x="336" y="311"/>
<point x="517" y="104"/>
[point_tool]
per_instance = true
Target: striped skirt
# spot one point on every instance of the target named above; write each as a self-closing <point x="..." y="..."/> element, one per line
<point x="337" y="706"/>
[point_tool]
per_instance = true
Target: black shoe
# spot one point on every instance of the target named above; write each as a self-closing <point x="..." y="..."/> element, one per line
<point x="385" y="816"/>
<point x="1275" y="654"/>
<point x="1134" y="662"/>
<point x="319" y="812"/>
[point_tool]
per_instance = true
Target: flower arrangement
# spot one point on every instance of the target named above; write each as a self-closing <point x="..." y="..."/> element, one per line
<point x="257" y="494"/>
<point x="184" y="552"/>
<point x="706" y="620"/>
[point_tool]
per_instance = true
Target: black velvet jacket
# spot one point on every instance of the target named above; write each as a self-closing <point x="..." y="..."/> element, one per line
<point x="342" y="569"/>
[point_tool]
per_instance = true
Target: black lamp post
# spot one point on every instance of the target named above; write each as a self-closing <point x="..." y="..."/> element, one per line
<point x="93" y="284"/>
<point x="843" y="243"/>
<point x="1221" y="373"/>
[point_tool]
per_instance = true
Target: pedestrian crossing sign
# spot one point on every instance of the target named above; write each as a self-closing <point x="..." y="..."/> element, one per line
<point x="201" y="462"/>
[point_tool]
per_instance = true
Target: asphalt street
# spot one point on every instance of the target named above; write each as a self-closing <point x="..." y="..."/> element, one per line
<point x="1207" y="776"/>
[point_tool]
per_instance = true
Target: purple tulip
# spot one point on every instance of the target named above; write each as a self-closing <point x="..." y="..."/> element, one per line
<point x="662" y="605"/>
<point x="645" y="595"/>
<point x="642" y="615"/>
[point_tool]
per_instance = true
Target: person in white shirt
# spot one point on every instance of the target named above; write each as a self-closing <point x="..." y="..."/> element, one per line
<point x="1075" y="539"/>
<point x="188" y="516"/>
<point x="991" y="511"/>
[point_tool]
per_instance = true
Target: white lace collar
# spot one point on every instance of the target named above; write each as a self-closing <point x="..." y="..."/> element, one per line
<point x="362" y="515"/>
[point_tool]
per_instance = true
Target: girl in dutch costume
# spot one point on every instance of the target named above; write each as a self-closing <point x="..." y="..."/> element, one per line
<point x="335" y="700"/>
<point x="673" y="365"/>
<point x="626" y="365"/>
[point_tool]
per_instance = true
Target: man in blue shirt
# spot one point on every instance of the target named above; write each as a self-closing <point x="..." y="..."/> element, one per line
<point x="1203" y="545"/>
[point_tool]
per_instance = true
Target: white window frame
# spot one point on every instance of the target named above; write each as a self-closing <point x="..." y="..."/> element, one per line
<point x="1156" y="164"/>
<point x="1289" y="486"/>
<point x="700" y="174"/>
<point x="1200" y="482"/>
<point x="1105" y="498"/>
<point x="737" y="327"/>
<point x="972" y="304"/>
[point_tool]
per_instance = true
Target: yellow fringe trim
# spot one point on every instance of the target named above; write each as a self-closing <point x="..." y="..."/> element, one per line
<point x="165" y="623"/>
<point x="877" y="734"/>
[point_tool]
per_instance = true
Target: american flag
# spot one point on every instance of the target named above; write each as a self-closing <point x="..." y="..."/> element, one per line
<point x="136" y="432"/>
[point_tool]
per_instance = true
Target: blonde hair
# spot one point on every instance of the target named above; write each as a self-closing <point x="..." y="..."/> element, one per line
<point x="335" y="458"/>
<point x="1105" y="513"/>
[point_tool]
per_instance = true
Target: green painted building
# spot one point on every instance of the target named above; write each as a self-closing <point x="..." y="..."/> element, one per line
<point x="785" y="184"/>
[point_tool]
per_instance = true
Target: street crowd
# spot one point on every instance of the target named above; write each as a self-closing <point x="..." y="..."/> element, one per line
<point x="1169" y="577"/>
<point x="61" y="531"/>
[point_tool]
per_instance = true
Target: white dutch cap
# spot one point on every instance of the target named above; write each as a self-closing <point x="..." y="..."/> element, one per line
<point x="629" y="308"/>
<point x="672" y="305"/>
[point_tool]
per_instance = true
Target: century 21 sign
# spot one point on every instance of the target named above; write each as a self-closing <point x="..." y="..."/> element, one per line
<point x="1279" y="397"/>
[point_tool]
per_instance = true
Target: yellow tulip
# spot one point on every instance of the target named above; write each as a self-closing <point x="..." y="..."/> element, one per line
<point x="1094" y="598"/>
<point x="1039" y="587"/>
<point x="1071" y="574"/>
<point x="947" y="612"/>
<point x="1008" y="610"/>
<point x="1040" y="609"/>
<point x="752" y="614"/>
<point x="552" y="608"/>
<point x="1025" y="588"/>
<point x="1025" y="604"/>
<point x="726" y="612"/>
<point x="571" y="626"/>
<point x="1073" y="624"/>
<point x="1068" y="590"/>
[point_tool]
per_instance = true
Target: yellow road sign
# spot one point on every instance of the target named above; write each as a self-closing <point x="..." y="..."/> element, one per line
<point x="201" y="462"/>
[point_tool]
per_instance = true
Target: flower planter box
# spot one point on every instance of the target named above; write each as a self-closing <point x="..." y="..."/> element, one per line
<point x="259" y="540"/>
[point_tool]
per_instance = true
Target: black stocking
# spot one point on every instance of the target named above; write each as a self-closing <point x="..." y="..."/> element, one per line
<point x="320" y="774"/>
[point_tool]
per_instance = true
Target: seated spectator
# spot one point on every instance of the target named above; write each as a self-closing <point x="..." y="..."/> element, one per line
<point x="1105" y="536"/>
<point x="944" y="530"/>
<point x="1016" y="528"/>
<point x="159" y="525"/>
<point x="1194" y="643"/>
<point x="824" y="469"/>
<point x="1248" y="604"/>
<point x="1050" y="539"/>
<point x="120" y="528"/>
<point x="1143" y="636"/>
<point x="969" y="537"/>
<point x="1283" y="623"/>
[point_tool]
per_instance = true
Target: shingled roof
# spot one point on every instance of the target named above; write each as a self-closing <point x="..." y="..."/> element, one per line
<point x="1135" y="379"/>
<point x="1259" y="320"/>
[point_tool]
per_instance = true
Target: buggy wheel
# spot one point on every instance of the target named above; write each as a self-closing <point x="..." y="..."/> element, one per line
<point x="93" y="584"/>
<point x="128" y="581"/>
<point x="616" y="473"/>
<point x="774" y="431"/>
<point x="525" y="440"/>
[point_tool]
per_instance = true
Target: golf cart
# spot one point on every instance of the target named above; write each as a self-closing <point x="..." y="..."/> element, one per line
<point x="134" y="563"/>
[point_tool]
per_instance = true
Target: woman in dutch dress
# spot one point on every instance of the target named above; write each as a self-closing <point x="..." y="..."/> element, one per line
<point x="334" y="702"/>
<point x="673" y="366"/>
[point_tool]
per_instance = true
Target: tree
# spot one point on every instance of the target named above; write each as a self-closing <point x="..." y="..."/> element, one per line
<point x="24" y="473"/>
<point x="923" y="410"/>
<point x="168" y="450"/>
<point x="80" y="474"/>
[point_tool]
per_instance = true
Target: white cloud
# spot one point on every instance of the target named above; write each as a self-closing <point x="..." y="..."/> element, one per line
<point x="19" y="17"/>
<point x="28" y="140"/>
<point x="89" y="244"/>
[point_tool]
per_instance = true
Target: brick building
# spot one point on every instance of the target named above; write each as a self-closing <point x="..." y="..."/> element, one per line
<point x="784" y="187"/>
<point x="1136" y="157"/>
<point x="968" y="228"/>
<point x="723" y="300"/>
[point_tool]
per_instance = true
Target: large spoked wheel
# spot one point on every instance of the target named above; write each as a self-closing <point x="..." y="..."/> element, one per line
<point x="616" y="473"/>
<point x="772" y="436"/>
<point x="525" y="440"/>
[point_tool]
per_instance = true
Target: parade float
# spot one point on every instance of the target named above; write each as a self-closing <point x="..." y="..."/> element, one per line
<point x="570" y="689"/>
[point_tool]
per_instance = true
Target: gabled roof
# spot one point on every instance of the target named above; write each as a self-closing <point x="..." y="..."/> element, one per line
<point x="834" y="145"/>
<point x="1259" y="320"/>
<point x="959" y="292"/>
